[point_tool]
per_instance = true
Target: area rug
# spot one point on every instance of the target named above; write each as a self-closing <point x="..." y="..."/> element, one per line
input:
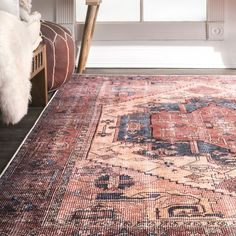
<point x="135" y="156"/>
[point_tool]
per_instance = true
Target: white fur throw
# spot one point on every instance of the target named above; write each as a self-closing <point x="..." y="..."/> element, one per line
<point x="15" y="67"/>
<point x="25" y="11"/>
<point x="11" y="6"/>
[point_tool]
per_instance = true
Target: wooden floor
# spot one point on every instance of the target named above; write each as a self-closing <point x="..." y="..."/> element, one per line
<point x="134" y="71"/>
<point x="12" y="136"/>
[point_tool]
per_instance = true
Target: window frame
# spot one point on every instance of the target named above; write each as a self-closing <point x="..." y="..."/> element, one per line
<point x="211" y="29"/>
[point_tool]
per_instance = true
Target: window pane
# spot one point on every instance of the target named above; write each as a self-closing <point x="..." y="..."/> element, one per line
<point x="112" y="10"/>
<point x="175" y="10"/>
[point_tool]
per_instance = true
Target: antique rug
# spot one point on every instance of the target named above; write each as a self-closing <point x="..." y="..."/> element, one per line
<point x="135" y="156"/>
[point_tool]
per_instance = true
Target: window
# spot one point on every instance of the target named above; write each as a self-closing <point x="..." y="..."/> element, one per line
<point x="156" y="19"/>
<point x="174" y="10"/>
<point x="151" y="10"/>
<point x="131" y="11"/>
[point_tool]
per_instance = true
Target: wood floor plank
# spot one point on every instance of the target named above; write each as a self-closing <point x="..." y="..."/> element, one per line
<point x="11" y="136"/>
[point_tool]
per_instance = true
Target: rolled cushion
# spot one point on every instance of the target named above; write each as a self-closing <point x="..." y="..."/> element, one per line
<point x="60" y="54"/>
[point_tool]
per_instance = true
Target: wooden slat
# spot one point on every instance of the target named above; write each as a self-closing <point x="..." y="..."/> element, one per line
<point x="38" y="62"/>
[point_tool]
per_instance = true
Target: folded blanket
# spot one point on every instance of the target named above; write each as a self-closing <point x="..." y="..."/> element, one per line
<point x="15" y="67"/>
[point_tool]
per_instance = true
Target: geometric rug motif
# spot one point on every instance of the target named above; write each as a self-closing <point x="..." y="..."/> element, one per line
<point x="137" y="156"/>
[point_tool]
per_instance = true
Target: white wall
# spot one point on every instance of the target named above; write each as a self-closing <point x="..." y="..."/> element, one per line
<point x="166" y="54"/>
<point x="46" y="8"/>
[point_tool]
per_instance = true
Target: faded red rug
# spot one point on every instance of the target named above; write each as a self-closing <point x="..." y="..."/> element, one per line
<point x="135" y="156"/>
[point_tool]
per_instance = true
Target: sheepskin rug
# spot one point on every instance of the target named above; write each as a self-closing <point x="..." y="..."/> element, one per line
<point x="15" y="68"/>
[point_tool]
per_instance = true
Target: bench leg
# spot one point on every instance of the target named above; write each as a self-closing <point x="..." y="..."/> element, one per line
<point x="39" y="90"/>
<point x="87" y="36"/>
